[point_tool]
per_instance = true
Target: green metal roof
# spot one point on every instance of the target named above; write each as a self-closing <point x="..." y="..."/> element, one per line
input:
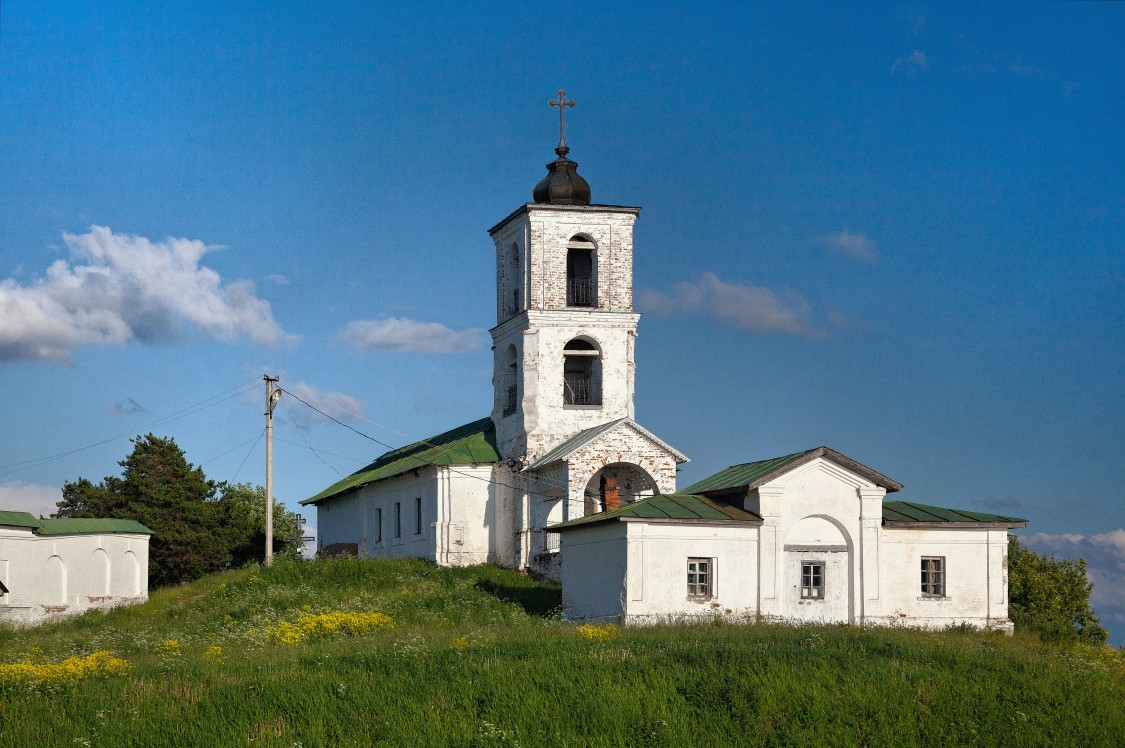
<point x="908" y="511"/>
<point x="665" y="506"/>
<point x="736" y="476"/>
<point x="18" y="519"/>
<point x="471" y="444"/>
<point x="753" y="474"/>
<point x="91" y="526"/>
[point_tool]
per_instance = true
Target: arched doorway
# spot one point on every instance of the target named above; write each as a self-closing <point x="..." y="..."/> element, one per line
<point x="818" y="571"/>
<point x="615" y="484"/>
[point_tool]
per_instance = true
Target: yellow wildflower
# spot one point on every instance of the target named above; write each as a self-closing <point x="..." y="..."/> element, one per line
<point x="593" y="632"/>
<point x="69" y="670"/>
<point x="311" y="626"/>
<point x="170" y="646"/>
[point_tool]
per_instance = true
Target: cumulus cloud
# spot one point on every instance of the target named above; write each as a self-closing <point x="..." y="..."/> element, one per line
<point x="128" y="407"/>
<point x="1105" y="563"/>
<point x="853" y="246"/>
<point x="400" y="334"/>
<point x="118" y="288"/>
<point x="745" y="307"/>
<point x="911" y="63"/>
<point x="336" y="404"/>
<point x="17" y="496"/>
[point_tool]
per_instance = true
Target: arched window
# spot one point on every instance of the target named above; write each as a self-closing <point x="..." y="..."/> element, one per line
<point x="510" y="391"/>
<point x="515" y="281"/>
<point x="581" y="275"/>
<point x="582" y="373"/>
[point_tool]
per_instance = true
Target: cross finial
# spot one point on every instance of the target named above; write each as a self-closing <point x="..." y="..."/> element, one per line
<point x="562" y="103"/>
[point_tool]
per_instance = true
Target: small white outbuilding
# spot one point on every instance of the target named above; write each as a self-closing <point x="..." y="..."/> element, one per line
<point x="56" y="567"/>
<point x="804" y="537"/>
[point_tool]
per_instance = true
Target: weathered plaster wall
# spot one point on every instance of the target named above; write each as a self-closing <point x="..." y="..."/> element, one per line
<point x="657" y="570"/>
<point x="469" y="516"/>
<point x="69" y="574"/>
<point x="976" y="578"/>
<point x="620" y="445"/>
<point x="594" y="565"/>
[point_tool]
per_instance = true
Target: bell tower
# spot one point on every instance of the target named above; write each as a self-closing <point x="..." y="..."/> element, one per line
<point x="565" y="326"/>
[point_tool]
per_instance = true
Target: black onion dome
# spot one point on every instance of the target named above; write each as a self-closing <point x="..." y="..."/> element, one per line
<point x="562" y="185"/>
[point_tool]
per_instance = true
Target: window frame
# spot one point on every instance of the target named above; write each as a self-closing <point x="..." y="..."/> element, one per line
<point x="418" y="515"/>
<point x="931" y="567"/>
<point x="398" y="519"/>
<point x="700" y="589"/>
<point x="815" y="567"/>
<point x="378" y="524"/>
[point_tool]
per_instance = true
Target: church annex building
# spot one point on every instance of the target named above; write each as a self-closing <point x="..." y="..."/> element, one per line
<point x="561" y="480"/>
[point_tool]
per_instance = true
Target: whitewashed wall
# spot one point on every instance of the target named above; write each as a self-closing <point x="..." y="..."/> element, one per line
<point x="976" y="578"/>
<point x="657" y="578"/>
<point x="69" y="574"/>
<point x="469" y="516"/>
<point x="594" y="568"/>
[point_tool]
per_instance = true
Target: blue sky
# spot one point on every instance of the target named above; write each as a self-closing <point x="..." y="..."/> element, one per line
<point x="895" y="230"/>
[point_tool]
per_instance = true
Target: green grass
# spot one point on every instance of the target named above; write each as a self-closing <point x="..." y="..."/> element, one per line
<point x="478" y="658"/>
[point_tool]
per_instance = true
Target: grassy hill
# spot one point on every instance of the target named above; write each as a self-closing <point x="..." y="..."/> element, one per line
<point x="341" y="652"/>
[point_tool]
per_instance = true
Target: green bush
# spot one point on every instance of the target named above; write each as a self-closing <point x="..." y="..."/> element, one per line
<point x="1051" y="596"/>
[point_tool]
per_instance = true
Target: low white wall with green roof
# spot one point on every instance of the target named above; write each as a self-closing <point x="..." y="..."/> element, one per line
<point x="55" y="575"/>
<point x="455" y="515"/>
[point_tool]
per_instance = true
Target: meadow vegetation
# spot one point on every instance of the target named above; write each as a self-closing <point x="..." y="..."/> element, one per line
<point x="340" y="652"/>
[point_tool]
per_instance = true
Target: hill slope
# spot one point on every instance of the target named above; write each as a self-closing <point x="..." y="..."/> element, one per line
<point x="296" y="655"/>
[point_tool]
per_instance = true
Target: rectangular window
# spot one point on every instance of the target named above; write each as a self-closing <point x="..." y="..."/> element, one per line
<point x="699" y="576"/>
<point x="398" y="519"/>
<point x="418" y="516"/>
<point x="379" y="525"/>
<point x="812" y="580"/>
<point x="933" y="576"/>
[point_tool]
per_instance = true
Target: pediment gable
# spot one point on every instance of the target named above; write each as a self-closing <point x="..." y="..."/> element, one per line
<point x="751" y="475"/>
<point x="590" y="439"/>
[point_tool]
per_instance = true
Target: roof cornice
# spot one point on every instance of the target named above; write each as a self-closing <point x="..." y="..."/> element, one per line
<point x="547" y="207"/>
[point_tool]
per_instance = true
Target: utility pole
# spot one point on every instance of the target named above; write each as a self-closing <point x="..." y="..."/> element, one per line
<point x="272" y="397"/>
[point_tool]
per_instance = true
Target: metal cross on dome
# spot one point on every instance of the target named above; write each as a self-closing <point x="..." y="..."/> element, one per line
<point x="562" y="103"/>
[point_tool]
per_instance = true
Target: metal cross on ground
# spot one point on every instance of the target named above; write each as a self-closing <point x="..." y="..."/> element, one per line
<point x="562" y="103"/>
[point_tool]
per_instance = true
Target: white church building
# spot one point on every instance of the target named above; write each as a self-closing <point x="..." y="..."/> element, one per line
<point x="58" y="567"/>
<point x="562" y="481"/>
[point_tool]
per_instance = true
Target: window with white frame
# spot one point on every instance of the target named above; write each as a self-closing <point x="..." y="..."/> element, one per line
<point x="700" y="577"/>
<point x="933" y="576"/>
<point x="812" y="580"/>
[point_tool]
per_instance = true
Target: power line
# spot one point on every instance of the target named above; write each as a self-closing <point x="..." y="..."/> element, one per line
<point x="490" y="481"/>
<point x="303" y="438"/>
<point x="237" y="391"/>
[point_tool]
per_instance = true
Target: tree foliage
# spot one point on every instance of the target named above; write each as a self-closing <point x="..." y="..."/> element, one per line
<point x="199" y="526"/>
<point x="1051" y="596"/>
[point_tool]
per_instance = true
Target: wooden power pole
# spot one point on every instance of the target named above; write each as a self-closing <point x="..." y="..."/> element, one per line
<point x="272" y="396"/>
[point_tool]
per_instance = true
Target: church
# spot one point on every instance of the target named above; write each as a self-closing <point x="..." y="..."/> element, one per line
<point x="562" y="481"/>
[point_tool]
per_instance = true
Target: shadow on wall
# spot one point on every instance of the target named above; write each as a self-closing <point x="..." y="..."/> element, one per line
<point x="535" y="601"/>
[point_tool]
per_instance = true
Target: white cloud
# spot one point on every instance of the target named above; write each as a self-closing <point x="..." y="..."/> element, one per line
<point x="745" y="307"/>
<point x="1105" y="563"/>
<point x="278" y="279"/>
<point x="853" y="246"/>
<point x="400" y="334"/>
<point x="117" y="288"/>
<point x="336" y="404"/>
<point x="17" y="496"/>
<point x="911" y="63"/>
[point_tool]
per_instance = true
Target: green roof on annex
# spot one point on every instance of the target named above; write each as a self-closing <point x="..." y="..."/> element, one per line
<point x="909" y="513"/>
<point x="18" y="519"/>
<point x="72" y="526"/>
<point x="666" y="506"/>
<point x="471" y="444"/>
<point x="90" y="526"/>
